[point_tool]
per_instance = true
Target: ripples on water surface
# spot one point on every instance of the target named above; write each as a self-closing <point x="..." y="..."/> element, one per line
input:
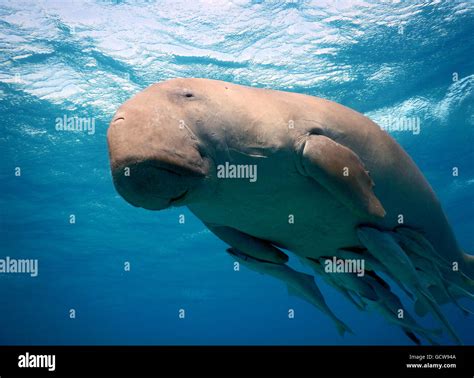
<point x="384" y="59"/>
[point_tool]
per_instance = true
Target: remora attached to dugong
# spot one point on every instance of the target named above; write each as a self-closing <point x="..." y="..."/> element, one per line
<point x="326" y="180"/>
<point x="299" y="284"/>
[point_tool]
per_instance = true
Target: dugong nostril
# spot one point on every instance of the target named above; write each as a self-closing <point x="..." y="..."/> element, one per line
<point x="117" y="119"/>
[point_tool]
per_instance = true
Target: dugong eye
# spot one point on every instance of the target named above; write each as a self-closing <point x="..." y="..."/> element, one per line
<point x="188" y="94"/>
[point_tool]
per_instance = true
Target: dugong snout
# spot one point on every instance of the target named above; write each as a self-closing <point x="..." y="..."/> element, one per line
<point x="154" y="185"/>
<point x="155" y="163"/>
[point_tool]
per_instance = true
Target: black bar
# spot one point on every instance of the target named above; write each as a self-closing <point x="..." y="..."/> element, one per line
<point x="316" y="361"/>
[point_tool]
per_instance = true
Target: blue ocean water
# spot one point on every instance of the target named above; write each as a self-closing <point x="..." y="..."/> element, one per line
<point x="397" y="62"/>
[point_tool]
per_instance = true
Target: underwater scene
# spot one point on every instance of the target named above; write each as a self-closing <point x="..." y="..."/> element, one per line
<point x="79" y="265"/>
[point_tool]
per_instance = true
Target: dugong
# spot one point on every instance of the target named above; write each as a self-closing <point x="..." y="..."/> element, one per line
<point x="271" y="172"/>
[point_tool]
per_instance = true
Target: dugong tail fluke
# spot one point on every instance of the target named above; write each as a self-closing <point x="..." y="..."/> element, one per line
<point x="299" y="284"/>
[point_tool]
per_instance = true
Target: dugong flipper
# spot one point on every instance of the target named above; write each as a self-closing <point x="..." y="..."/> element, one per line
<point x="269" y="171"/>
<point x="324" y="160"/>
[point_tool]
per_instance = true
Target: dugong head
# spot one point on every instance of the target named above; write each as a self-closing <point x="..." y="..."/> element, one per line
<point x="155" y="156"/>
